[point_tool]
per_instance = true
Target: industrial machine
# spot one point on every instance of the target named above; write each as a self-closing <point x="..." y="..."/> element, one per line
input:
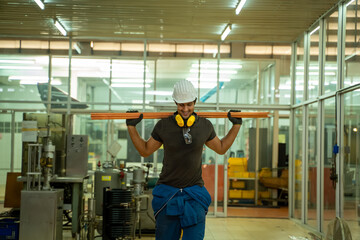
<point x="54" y="167"/>
<point x="120" y="202"/>
<point x="41" y="207"/>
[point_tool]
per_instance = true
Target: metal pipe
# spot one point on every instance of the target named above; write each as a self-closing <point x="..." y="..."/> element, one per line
<point x="91" y="218"/>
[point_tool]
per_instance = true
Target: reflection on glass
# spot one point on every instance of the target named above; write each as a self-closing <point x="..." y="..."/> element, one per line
<point x="285" y="89"/>
<point x="351" y="158"/>
<point x="299" y="72"/>
<point x="206" y="79"/>
<point x="127" y="81"/>
<point x="298" y="162"/>
<point x="90" y="79"/>
<point x="267" y="75"/>
<point x="314" y="64"/>
<point x="19" y="76"/>
<point x="97" y="132"/>
<point x="235" y="81"/>
<point x="331" y="24"/>
<point x="243" y="84"/>
<point x="168" y="72"/>
<point x="312" y="169"/>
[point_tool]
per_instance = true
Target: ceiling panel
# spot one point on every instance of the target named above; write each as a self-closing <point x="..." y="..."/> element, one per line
<point x="260" y="20"/>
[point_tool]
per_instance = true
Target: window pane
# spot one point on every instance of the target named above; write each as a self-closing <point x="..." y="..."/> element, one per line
<point x="299" y="73"/>
<point x="19" y="79"/>
<point x="90" y="82"/>
<point x="127" y="81"/>
<point x="351" y="171"/>
<point x="59" y="84"/>
<point x="207" y="74"/>
<point x="314" y="65"/>
<point x="168" y="72"/>
<point x="312" y="159"/>
<point x="352" y="75"/>
<point x="240" y="80"/>
<point x="267" y="76"/>
<point x="5" y="146"/>
<point x="331" y="53"/>
<point x="298" y="162"/>
<point x="329" y="158"/>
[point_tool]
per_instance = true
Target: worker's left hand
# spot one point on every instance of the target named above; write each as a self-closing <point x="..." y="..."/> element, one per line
<point x="133" y="122"/>
<point x="233" y="119"/>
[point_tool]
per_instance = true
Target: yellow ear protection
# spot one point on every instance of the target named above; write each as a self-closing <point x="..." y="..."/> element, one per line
<point x="189" y="122"/>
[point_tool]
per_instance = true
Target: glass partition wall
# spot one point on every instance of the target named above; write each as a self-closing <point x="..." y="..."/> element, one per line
<point x="80" y="85"/>
<point x="326" y="118"/>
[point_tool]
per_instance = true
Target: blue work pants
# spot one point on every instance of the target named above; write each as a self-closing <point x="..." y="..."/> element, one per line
<point x="169" y="228"/>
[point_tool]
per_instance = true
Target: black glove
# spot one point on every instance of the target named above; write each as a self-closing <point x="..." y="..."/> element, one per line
<point x="233" y="119"/>
<point x="133" y="122"/>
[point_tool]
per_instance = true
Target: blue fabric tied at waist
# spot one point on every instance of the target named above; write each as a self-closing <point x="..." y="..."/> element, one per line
<point x="181" y="202"/>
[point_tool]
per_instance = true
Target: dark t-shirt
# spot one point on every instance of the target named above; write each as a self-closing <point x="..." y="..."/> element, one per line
<point x="182" y="162"/>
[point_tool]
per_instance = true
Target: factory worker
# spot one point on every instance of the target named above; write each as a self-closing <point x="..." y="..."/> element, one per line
<point x="180" y="200"/>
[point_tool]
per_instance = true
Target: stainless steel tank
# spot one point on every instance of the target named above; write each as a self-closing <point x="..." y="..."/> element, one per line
<point x="107" y="177"/>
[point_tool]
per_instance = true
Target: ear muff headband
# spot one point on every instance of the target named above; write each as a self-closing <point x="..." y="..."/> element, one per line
<point x="181" y="123"/>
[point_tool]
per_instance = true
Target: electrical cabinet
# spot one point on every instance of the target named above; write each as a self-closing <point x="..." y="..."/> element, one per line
<point x="41" y="215"/>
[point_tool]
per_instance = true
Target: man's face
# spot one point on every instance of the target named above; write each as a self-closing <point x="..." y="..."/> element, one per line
<point x="185" y="109"/>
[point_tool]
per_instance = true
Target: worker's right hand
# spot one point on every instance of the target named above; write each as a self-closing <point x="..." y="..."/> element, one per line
<point x="133" y="122"/>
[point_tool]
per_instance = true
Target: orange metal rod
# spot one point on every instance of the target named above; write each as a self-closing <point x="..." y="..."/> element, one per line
<point x="157" y="115"/>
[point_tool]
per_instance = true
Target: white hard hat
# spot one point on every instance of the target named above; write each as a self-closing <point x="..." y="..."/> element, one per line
<point x="184" y="92"/>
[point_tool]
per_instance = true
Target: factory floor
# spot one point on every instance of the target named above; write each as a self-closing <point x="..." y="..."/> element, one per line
<point x="244" y="229"/>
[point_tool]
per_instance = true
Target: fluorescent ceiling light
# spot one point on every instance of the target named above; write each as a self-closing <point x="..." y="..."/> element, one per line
<point x="60" y="27"/>
<point x="40" y="4"/>
<point x="316" y="73"/>
<point x="350" y="3"/>
<point x="129" y="67"/>
<point x="140" y="101"/>
<point x="213" y="71"/>
<point x="317" y="68"/>
<point x="29" y="78"/>
<point x="159" y="93"/>
<point x="17" y="61"/>
<point x="32" y="80"/>
<point x="132" y="62"/>
<point x="117" y="80"/>
<point x="313" y="31"/>
<point x="284" y="87"/>
<point x="21" y="67"/>
<point x="207" y="80"/>
<point x="133" y="74"/>
<point x="240" y="6"/>
<point x="205" y="85"/>
<point x="129" y="85"/>
<point x="222" y="66"/>
<point x="27" y="82"/>
<point x="226" y="32"/>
